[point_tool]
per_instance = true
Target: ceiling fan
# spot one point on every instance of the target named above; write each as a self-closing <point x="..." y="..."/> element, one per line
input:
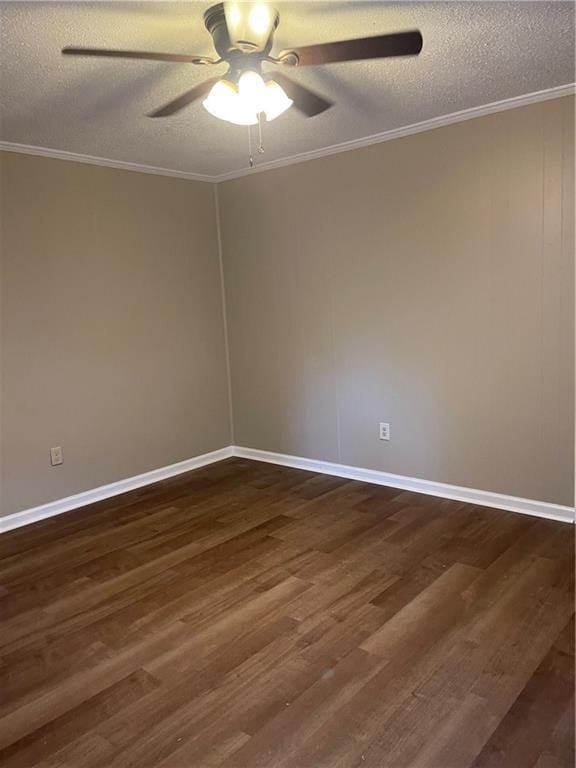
<point x="243" y="36"/>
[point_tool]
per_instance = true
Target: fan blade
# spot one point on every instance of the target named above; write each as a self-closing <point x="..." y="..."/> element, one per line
<point x="177" y="57"/>
<point x="186" y="98"/>
<point x="304" y="99"/>
<point x="380" y="47"/>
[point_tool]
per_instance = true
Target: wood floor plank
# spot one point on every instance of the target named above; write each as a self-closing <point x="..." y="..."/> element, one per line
<point x="78" y="721"/>
<point x="248" y="615"/>
<point x="524" y="733"/>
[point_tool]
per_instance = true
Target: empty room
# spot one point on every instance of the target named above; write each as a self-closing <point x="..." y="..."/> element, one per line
<point x="287" y="363"/>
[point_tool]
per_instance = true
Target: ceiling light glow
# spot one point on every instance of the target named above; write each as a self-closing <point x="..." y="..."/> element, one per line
<point x="233" y="14"/>
<point x="223" y="102"/>
<point x="249" y="24"/>
<point x="243" y="103"/>
<point x="252" y="91"/>
<point x="260" y="20"/>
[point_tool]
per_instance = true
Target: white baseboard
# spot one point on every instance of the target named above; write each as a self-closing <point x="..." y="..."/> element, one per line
<point x="53" y="508"/>
<point x="429" y="487"/>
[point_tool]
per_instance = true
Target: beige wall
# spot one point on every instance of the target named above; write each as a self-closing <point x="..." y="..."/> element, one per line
<point x="427" y="282"/>
<point x="112" y="331"/>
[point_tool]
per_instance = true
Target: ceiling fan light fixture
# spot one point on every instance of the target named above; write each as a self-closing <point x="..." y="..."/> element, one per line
<point x="243" y="37"/>
<point x="243" y="103"/>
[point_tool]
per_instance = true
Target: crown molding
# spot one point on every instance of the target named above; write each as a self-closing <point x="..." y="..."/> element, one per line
<point x="407" y="130"/>
<point x="75" y="157"/>
<point x="334" y="149"/>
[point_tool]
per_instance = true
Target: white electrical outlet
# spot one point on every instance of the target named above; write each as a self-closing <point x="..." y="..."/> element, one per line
<point x="384" y="430"/>
<point x="56" y="456"/>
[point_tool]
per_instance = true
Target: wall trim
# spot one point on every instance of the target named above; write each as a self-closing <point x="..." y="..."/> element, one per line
<point x="429" y="487"/>
<point x="69" y="503"/>
<point x="346" y="146"/>
<point x="121" y="165"/>
<point x="408" y="130"/>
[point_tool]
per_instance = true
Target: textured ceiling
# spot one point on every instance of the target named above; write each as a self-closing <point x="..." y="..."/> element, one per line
<point x="474" y="53"/>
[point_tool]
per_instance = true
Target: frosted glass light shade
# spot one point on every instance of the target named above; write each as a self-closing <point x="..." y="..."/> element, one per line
<point x="276" y="100"/>
<point x="243" y="103"/>
<point x="223" y="102"/>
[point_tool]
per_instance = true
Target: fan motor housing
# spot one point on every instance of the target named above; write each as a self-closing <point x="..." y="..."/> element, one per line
<point x="215" y="22"/>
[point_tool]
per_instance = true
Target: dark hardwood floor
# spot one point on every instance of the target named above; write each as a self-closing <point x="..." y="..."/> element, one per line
<point x="253" y="616"/>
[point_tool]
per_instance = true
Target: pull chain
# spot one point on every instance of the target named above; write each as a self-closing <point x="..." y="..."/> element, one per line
<point x="260" y="140"/>
<point x="250" y="156"/>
